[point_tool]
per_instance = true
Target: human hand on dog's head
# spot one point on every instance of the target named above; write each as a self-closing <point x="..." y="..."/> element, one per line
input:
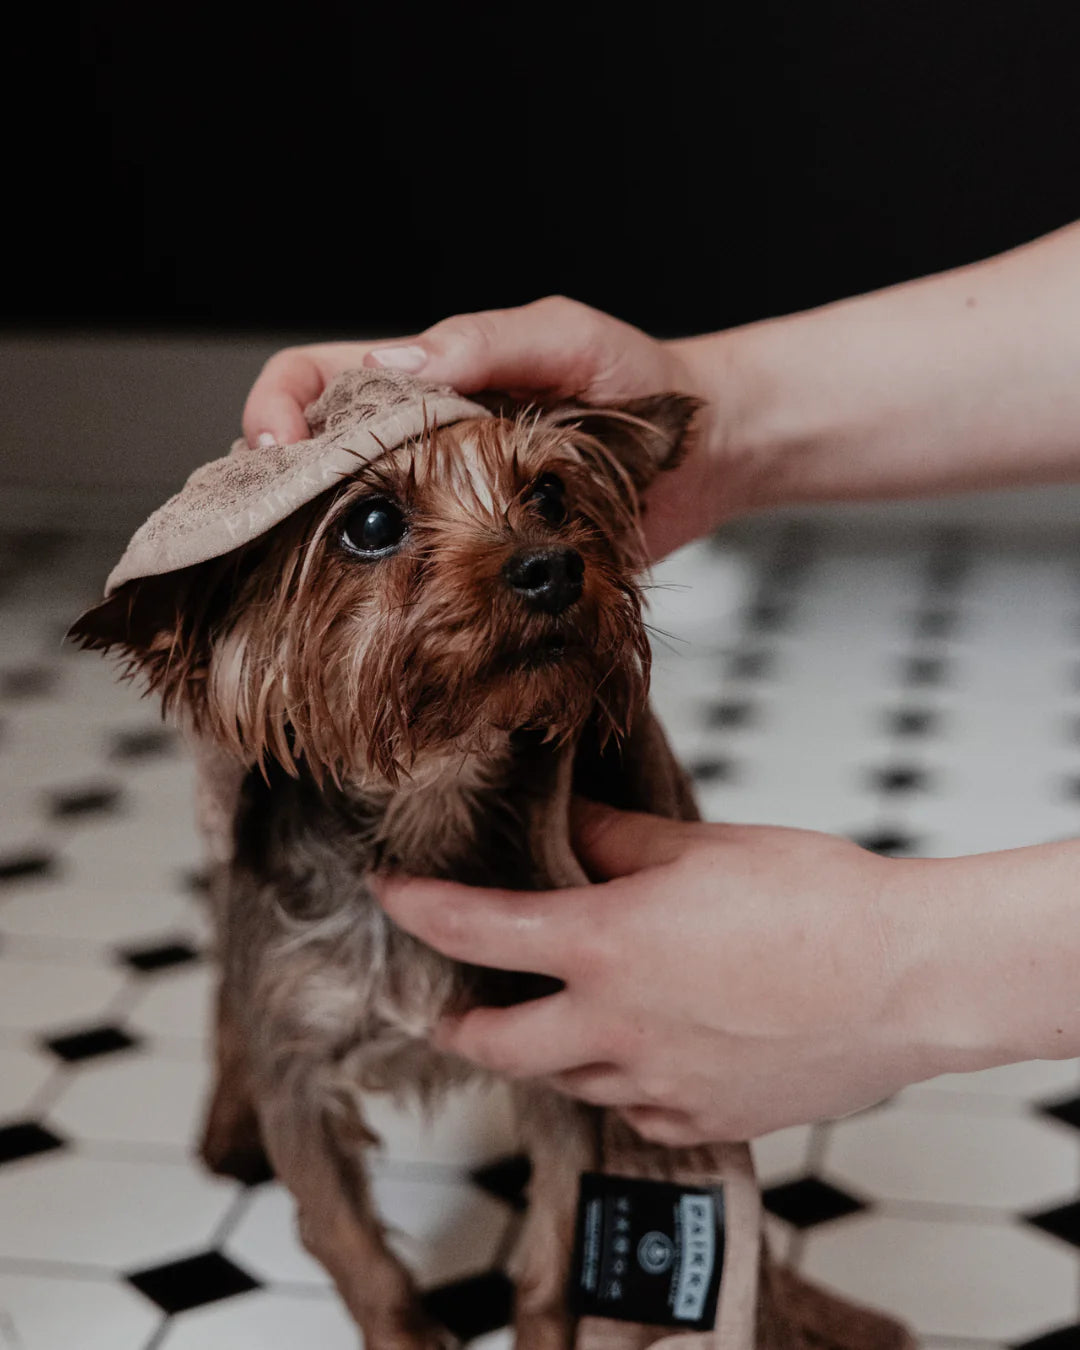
<point x="724" y="981"/>
<point x="550" y="350"/>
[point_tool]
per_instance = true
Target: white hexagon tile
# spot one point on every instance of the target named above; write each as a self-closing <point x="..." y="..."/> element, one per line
<point x="917" y="692"/>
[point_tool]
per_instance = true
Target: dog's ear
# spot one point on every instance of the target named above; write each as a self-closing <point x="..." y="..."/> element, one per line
<point x="646" y="435"/>
<point x="160" y="626"/>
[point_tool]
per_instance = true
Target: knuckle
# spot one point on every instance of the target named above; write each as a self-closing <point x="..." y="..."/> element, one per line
<point x="280" y="360"/>
<point x="479" y="331"/>
<point x="446" y="925"/>
<point x="560" y="306"/>
<point x="580" y="323"/>
<point x="656" y="1089"/>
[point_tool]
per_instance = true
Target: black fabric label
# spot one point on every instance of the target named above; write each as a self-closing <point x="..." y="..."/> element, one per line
<point x="647" y="1251"/>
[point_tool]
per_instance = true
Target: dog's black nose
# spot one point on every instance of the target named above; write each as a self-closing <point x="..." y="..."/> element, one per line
<point x="548" y="578"/>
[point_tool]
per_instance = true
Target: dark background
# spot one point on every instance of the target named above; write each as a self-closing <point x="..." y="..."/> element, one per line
<point x="365" y="168"/>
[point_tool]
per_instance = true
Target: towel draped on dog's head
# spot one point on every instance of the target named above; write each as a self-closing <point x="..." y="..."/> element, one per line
<point x="361" y="415"/>
<point x="231" y="501"/>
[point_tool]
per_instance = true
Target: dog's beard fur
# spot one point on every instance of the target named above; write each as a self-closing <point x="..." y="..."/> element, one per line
<point x="367" y="669"/>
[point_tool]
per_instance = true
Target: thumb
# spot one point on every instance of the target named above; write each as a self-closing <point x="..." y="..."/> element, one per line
<point x="611" y="843"/>
<point x="557" y="347"/>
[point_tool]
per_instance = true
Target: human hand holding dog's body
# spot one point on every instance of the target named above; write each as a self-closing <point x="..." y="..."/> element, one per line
<point x="723" y="981"/>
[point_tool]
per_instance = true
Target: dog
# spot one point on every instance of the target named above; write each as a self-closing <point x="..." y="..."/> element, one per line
<point x="414" y="669"/>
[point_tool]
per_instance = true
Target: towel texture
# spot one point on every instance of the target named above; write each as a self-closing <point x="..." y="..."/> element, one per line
<point x="233" y="500"/>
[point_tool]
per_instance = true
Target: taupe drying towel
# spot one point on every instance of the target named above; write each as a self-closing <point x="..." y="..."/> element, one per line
<point x="232" y="501"/>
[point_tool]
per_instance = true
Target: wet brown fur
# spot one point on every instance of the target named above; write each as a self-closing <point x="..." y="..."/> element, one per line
<point x="404" y="711"/>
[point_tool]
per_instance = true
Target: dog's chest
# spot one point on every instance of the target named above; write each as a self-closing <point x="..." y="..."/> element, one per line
<point x="321" y="951"/>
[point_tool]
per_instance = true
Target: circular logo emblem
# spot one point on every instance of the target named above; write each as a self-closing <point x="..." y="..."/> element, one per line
<point x="655" y="1253"/>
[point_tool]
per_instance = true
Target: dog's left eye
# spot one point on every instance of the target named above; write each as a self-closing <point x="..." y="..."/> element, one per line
<point x="375" y="526"/>
<point x="548" y="496"/>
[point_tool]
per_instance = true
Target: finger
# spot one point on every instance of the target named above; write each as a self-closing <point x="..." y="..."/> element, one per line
<point x="531" y="1040"/>
<point x="535" y="931"/>
<point x="673" y="1129"/>
<point x="597" y="1084"/>
<point x="554" y="346"/>
<point x="611" y="843"/>
<point x="290" y="380"/>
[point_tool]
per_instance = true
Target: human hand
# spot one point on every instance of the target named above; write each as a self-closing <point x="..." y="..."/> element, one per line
<point x="552" y="349"/>
<point x="721" y="982"/>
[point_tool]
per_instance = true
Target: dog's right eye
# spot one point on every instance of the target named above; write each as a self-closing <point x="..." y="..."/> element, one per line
<point x="374" y="526"/>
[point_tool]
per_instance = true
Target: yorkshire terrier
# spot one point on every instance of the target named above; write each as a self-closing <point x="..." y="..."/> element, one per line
<point x="416" y="668"/>
<point x="399" y="663"/>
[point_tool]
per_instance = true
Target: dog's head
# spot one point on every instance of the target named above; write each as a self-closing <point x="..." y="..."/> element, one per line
<point x="478" y="580"/>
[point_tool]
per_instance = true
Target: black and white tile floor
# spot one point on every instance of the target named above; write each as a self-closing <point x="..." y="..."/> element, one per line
<point x="919" y="694"/>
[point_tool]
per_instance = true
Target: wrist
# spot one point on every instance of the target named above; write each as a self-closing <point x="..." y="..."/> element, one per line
<point x="778" y="412"/>
<point x="983" y="952"/>
<point x="720" y="369"/>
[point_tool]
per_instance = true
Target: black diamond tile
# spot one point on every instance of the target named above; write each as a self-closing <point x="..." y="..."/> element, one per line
<point x="146" y="743"/>
<point x="1064" y="1338"/>
<point x="20" y="866"/>
<point x="935" y="623"/>
<point x="886" y="842"/>
<point x="197" y="882"/>
<point x="506" y="1179"/>
<point x="1063" y="1222"/>
<point x="768" y="616"/>
<point x="27" y="682"/>
<point x="92" y="800"/>
<point x="712" y="770"/>
<point x="193" y="1282"/>
<point x="164" y="956"/>
<point x="809" y="1202"/>
<point x="949" y="562"/>
<point x="26" y="1139"/>
<point x="925" y="670"/>
<point x="900" y="779"/>
<point x="90" y="1044"/>
<point x="751" y="665"/>
<point x="1067" y="1110"/>
<point x="730" y="713"/>
<point x="472" y="1307"/>
<point x="793" y="557"/>
<point x="913" y="722"/>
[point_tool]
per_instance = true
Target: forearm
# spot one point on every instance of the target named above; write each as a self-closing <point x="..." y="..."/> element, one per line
<point x="986" y="955"/>
<point x="966" y="379"/>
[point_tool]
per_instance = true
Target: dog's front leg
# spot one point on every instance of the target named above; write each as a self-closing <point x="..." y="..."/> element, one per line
<point x="231" y="1144"/>
<point x="319" y="1158"/>
<point x="561" y="1137"/>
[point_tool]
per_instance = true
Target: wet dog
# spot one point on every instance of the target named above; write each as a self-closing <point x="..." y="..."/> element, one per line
<point x="411" y="666"/>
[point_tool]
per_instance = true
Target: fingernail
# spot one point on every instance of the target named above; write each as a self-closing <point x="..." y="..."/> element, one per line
<point x="410" y="359"/>
<point x="265" y="438"/>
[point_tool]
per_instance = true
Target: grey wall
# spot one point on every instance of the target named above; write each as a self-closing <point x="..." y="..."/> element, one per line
<point x="122" y="418"/>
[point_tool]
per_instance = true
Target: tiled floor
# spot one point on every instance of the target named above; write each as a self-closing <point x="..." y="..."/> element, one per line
<point x="920" y="694"/>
